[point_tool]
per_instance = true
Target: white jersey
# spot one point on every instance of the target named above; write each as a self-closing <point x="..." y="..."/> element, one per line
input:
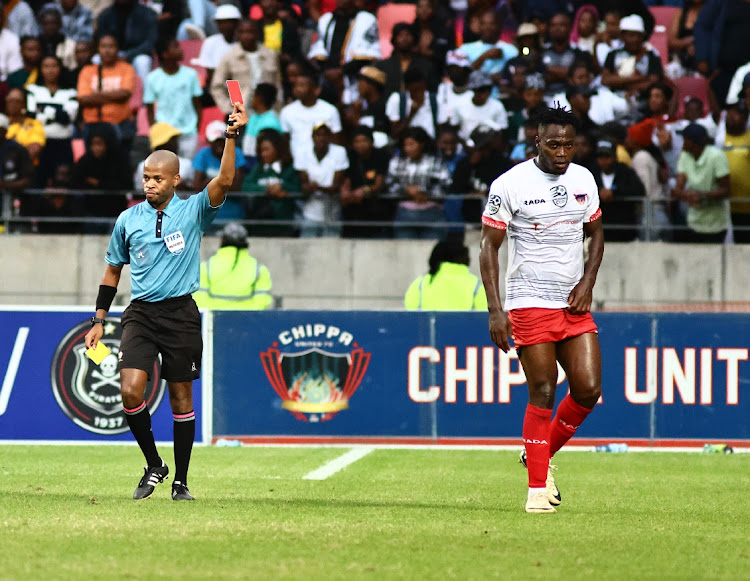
<point x="544" y="216"/>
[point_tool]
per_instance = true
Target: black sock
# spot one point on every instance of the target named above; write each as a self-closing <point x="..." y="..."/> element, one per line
<point x="139" y="421"/>
<point x="184" y="435"/>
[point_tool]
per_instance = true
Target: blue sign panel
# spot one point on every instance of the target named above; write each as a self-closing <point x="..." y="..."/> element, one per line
<point x="51" y="391"/>
<point x="669" y="376"/>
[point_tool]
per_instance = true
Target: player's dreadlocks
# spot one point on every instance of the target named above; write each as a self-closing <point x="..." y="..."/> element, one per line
<point x="557" y="115"/>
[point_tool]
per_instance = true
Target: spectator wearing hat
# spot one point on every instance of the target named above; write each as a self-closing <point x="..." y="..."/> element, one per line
<point x="630" y="70"/>
<point x="404" y="58"/>
<point x="736" y="147"/>
<point x="321" y="170"/>
<point x="489" y="54"/>
<point x="477" y="108"/>
<point x="214" y="47"/>
<point x="248" y="62"/>
<point x="616" y="182"/>
<point x="362" y="188"/>
<point x="273" y="175"/>
<point x="528" y="60"/>
<point x="648" y="162"/>
<point x="164" y="136"/>
<point x="369" y="108"/>
<point x="172" y="94"/>
<point x="10" y="50"/>
<point x="77" y="20"/>
<point x="475" y="173"/>
<point x="262" y="117"/>
<point x="348" y="39"/>
<point x="560" y="55"/>
<point x="421" y="179"/>
<point x="206" y="166"/>
<point x="232" y="279"/>
<point x="703" y="183"/>
<point x="415" y="107"/>
<point x="450" y="92"/>
<point x="301" y="115"/>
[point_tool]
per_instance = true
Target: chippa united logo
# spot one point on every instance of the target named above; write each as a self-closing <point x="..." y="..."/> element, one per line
<point x="315" y="369"/>
<point x="89" y="394"/>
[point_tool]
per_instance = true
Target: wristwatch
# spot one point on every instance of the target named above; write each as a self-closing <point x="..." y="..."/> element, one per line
<point x="95" y="320"/>
<point x="228" y="135"/>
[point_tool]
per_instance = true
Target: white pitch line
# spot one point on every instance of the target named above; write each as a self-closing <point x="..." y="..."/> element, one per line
<point x="330" y="468"/>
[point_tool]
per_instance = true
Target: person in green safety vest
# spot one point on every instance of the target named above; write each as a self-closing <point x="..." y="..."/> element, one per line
<point x="232" y="279"/>
<point x="449" y="286"/>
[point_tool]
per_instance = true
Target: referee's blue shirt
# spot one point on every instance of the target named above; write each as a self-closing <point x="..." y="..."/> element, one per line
<point x="162" y="248"/>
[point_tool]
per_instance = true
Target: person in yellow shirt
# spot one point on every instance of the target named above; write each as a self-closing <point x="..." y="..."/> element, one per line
<point x="737" y="149"/>
<point x="449" y="286"/>
<point x="26" y="130"/>
<point x="232" y="279"/>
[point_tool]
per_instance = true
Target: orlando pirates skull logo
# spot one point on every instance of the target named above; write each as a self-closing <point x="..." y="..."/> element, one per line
<point x="559" y="196"/>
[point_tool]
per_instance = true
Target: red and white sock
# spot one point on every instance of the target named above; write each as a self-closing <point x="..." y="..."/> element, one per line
<point x="568" y="418"/>
<point x="536" y="441"/>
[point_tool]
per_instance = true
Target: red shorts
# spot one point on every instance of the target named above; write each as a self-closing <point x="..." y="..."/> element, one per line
<point x="533" y="325"/>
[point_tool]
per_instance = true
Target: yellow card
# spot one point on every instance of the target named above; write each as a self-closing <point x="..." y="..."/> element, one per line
<point x="98" y="353"/>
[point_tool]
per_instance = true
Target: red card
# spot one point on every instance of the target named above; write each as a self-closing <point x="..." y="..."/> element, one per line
<point x="235" y="93"/>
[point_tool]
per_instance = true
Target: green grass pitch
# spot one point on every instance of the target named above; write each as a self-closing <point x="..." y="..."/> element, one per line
<point x="66" y="513"/>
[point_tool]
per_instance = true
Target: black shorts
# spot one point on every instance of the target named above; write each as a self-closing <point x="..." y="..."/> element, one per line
<point x="171" y="328"/>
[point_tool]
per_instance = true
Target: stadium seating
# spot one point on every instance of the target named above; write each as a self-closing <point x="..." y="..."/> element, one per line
<point x="663" y="15"/>
<point x="691" y="87"/>
<point x="659" y="41"/>
<point x="79" y="148"/>
<point x="209" y="114"/>
<point x="388" y="16"/>
<point x="190" y="51"/>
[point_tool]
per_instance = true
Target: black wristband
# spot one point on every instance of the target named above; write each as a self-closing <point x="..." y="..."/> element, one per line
<point x="105" y="297"/>
<point x="228" y="135"/>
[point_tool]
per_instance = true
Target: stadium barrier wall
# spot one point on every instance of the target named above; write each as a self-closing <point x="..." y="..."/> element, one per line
<point x="51" y="391"/>
<point x="429" y="376"/>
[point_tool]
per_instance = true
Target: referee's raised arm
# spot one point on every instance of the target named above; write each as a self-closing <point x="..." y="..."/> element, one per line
<point x="219" y="186"/>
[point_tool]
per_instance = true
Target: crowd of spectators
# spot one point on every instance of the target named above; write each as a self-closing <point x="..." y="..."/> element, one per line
<point x="361" y="127"/>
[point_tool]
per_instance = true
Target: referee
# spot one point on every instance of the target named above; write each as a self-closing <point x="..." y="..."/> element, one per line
<point x="160" y="239"/>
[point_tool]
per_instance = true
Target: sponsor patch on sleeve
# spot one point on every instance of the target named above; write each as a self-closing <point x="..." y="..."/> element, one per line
<point x="492" y="223"/>
<point x="596" y="215"/>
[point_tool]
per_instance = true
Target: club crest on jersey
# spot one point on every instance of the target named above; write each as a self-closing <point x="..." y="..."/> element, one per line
<point x="315" y="370"/>
<point x="493" y="204"/>
<point x="175" y="242"/>
<point x="559" y="196"/>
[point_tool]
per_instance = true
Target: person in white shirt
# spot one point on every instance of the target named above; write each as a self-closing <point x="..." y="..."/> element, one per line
<point x="300" y="117"/>
<point x="546" y="206"/>
<point x="476" y="108"/>
<point x="605" y="105"/>
<point x="416" y="107"/>
<point x="227" y="18"/>
<point x="321" y="172"/>
<point x="451" y="92"/>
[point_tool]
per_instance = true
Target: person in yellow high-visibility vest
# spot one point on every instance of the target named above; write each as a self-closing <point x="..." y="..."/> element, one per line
<point x="449" y="286"/>
<point x="232" y="279"/>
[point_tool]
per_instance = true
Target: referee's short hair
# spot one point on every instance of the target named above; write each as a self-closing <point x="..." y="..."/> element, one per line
<point x="557" y="115"/>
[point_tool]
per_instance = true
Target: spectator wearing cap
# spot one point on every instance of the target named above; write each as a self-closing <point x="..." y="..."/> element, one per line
<point x="703" y="183"/>
<point x="248" y="62"/>
<point x="606" y="106"/>
<point x="369" y="107"/>
<point x="477" y="108"/>
<point x="736" y="147"/>
<point x="433" y="32"/>
<point x="630" y="70"/>
<point x="53" y="41"/>
<point x="164" y="136"/>
<point x="300" y="116"/>
<point x="420" y="179"/>
<point x="363" y="186"/>
<point x="648" y="162"/>
<point x="415" y="107"/>
<point x="489" y="54"/>
<point x="172" y="94"/>
<point x="232" y="279"/>
<point x="528" y="60"/>
<point x="321" y="171"/>
<point x="475" y="173"/>
<point x="721" y="45"/>
<point x="215" y="46"/>
<point x="404" y="58"/>
<point x="10" y="50"/>
<point x="206" y="166"/>
<point x="262" y="117"/>
<point x="559" y="55"/>
<point x="617" y="182"/>
<point x="273" y="175"/>
<point x="533" y="96"/>
<point x="77" y="20"/>
<point x="278" y="33"/>
<point x="451" y="91"/>
<point x="348" y="39"/>
<point x="136" y="30"/>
